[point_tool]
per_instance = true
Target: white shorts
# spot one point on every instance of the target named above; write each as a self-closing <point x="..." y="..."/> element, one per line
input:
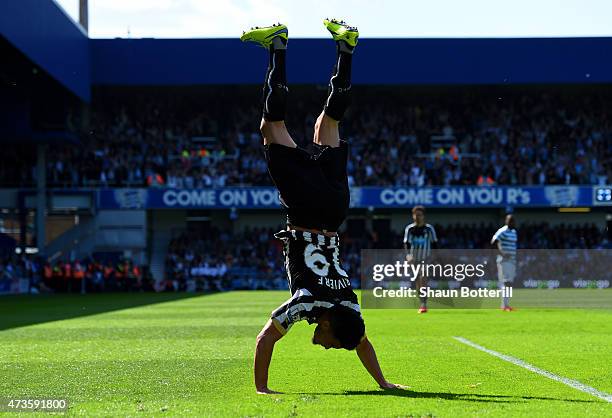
<point x="506" y="271"/>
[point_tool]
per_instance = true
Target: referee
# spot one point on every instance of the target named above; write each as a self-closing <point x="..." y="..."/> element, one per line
<point x="506" y="240"/>
<point x="419" y="239"/>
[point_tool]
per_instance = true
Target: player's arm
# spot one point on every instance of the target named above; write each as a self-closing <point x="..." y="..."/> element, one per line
<point x="264" y="347"/>
<point x="434" y="243"/>
<point x="496" y="242"/>
<point x="434" y="238"/>
<point x="296" y="308"/>
<point x="499" y="247"/>
<point x="407" y="244"/>
<point x="367" y="355"/>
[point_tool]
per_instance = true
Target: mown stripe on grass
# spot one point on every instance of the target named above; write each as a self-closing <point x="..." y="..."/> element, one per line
<point x="518" y="362"/>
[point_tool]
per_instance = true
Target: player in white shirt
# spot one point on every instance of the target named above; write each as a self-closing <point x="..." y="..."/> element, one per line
<point x="506" y="240"/>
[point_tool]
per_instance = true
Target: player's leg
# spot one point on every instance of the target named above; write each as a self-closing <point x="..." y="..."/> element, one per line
<point x="421" y="286"/>
<point x="339" y="97"/>
<point x="275" y="92"/>
<point x="506" y="275"/>
<point x="505" y="302"/>
<point x="274" y="38"/>
<point x="500" y="282"/>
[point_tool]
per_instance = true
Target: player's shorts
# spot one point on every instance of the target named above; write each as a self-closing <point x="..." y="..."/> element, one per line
<point x="313" y="186"/>
<point x="312" y="261"/>
<point x="421" y="279"/>
<point x="506" y="271"/>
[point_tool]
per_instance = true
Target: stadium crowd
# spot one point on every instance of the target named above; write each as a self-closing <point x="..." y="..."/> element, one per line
<point x="216" y="259"/>
<point x="90" y="275"/>
<point x="397" y="137"/>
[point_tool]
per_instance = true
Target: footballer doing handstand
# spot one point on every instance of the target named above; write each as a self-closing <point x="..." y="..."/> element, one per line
<point x="313" y="188"/>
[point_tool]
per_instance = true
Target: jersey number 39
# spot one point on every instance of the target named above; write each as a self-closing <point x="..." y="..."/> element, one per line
<point x="318" y="263"/>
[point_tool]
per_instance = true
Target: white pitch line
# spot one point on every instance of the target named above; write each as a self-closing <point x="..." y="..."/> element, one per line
<point x="569" y="382"/>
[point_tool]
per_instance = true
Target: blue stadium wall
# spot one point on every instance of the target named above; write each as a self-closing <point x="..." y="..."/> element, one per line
<point x="377" y="61"/>
<point x="48" y="37"/>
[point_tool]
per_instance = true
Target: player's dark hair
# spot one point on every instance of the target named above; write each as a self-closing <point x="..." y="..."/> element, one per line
<point x="418" y="208"/>
<point x="347" y="326"/>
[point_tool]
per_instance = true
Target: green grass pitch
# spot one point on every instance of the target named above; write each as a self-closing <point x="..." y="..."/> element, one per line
<point x="183" y="355"/>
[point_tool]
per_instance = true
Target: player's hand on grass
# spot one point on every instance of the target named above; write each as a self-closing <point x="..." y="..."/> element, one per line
<point x="389" y="385"/>
<point x="266" y="391"/>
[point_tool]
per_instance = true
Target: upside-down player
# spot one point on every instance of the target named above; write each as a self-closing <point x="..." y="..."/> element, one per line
<point x="314" y="191"/>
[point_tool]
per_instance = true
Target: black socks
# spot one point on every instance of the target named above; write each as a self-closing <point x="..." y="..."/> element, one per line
<point x="275" y="87"/>
<point x="339" y="96"/>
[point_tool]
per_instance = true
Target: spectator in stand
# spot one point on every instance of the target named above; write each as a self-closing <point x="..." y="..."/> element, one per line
<point x="109" y="277"/>
<point x="531" y="137"/>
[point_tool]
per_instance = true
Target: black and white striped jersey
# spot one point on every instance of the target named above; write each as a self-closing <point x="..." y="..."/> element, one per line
<point x="420" y="240"/>
<point x="304" y="305"/>
<point x="316" y="279"/>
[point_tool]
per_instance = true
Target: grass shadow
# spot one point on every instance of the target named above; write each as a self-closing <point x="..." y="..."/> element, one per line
<point x="23" y="310"/>
<point x="469" y="397"/>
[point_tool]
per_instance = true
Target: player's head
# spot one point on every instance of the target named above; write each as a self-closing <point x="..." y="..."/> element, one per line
<point x="339" y="328"/>
<point x="510" y="221"/>
<point x="418" y="214"/>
